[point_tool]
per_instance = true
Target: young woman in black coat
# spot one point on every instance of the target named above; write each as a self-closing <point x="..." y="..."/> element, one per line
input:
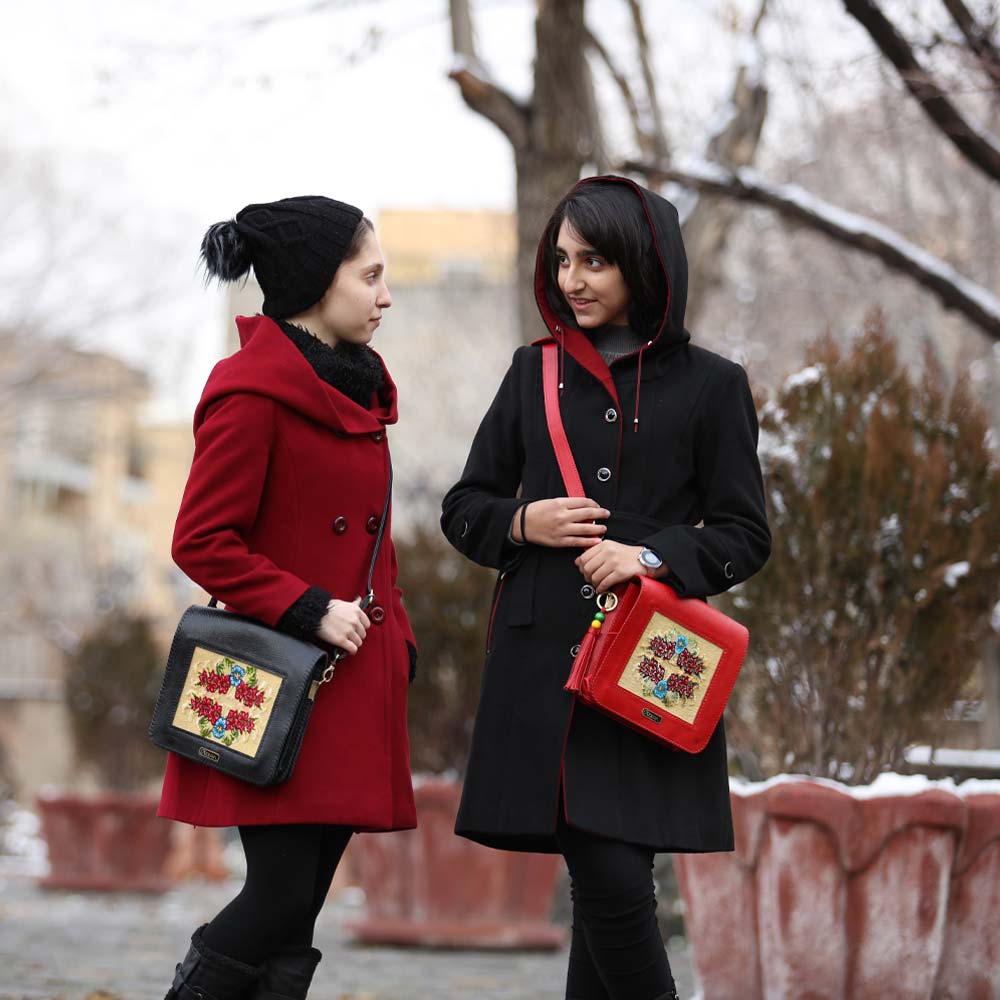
<point x="664" y="434"/>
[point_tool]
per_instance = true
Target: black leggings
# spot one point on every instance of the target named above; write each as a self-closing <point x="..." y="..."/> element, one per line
<point x="616" y="951"/>
<point x="289" y="871"/>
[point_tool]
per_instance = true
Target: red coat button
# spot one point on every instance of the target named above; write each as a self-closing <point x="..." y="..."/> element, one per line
<point x="377" y="615"/>
<point x="371" y="525"/>
<point x="340" y="525"/>
<point x="377" y="436"/>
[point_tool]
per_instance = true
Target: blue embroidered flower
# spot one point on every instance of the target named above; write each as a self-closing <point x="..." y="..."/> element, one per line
<point x="236" y="675"/>
<point x="660" y="690"/>
<point x="681" y="642"/>
<point x="219" y="728"/>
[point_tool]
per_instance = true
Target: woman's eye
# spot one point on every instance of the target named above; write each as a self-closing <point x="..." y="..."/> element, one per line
<point x="596" y="261"/>
<point x="562" y="259"/>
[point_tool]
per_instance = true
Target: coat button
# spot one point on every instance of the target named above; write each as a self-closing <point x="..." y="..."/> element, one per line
<point x="377" y="614"/>
<point x="603" y="473"/>
<point x="465" y="529"/>
<point x="575" y="649"/>
<point x="611" y="415"/>
<point x="371" y="525"/>
<point x="377" y="436"/>
<point x="728" y="570"/>
<point x="340" y="525"/>
<point x="587" y="591"/>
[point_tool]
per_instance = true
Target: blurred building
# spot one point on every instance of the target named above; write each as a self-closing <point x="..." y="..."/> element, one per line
<point x="89" y="495"/>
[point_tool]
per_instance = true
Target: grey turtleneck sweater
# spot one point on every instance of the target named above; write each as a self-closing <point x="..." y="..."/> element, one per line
<point x="614" y="342"/>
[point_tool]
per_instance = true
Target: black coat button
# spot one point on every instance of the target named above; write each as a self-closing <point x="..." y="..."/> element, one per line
<point x="728" y="570"/>
<point x="603" y="474"/>
<point x="611" y="415"/>
<point x="371" y="525"/>
<point x="574" y="650"/>
<point x="465" y="529"/>
<point x="340" y="525"/>
<point x="587" y="591"/>
<point x="377" y="614"/>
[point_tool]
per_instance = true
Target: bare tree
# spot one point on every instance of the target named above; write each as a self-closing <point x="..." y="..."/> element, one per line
<point x="558" y="130"/>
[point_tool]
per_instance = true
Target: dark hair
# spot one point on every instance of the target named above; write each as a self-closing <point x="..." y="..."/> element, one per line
<point x="609" y="216"/>
<point x="365" y="227"/>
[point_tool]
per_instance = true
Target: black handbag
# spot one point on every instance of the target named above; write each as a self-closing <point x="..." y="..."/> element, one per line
<point x="237" y="694"/>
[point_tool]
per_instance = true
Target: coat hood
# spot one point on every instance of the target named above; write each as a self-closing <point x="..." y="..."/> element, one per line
<point x="269" y="364"/>
<point x="664" y="223"/>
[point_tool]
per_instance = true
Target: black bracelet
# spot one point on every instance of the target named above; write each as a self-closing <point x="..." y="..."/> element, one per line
<point x="524" y="514"/>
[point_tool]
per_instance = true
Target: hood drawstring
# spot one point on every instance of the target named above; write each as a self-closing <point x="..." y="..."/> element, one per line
<point x="562" y="357"/>
<point x="638" y="385"/>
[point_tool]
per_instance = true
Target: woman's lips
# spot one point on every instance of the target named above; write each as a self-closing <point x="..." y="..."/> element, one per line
<point x="582" y="303"/>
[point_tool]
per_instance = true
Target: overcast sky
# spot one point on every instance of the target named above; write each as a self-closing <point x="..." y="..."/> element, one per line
<point x="167" y="117"/>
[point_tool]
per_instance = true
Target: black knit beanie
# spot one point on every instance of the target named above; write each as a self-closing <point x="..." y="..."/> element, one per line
<point x="295" y="246"/>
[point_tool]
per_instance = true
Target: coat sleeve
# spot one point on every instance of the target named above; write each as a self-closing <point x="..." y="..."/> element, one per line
<point x="219" y="507"/>
<point x="734" y="541"/>
<point x="476" y="512"/>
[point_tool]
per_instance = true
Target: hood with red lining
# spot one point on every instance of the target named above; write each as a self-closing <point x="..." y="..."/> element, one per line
<point x="269" y="364"/>
<point x="665" y="225"/>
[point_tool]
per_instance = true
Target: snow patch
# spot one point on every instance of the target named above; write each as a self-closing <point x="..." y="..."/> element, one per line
<point x="955" y="572"/>
<point x="805" y="377"/>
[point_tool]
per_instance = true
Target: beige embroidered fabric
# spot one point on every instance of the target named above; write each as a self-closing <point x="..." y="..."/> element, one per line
<point x="227" y="701"/>
<point x="671" y="668"/>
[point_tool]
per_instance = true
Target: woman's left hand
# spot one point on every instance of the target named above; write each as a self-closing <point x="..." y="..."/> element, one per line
<point x="609" y="563"/>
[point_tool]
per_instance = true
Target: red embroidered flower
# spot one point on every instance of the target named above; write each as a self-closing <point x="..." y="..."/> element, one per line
<point x="252" y="697"/>
<point x="217" y="683"/>
<point x="660" y="646"/>
<point x="239" y="721"/>
<point x="681" y="685"/>
<point x="206" y="708"/>
<point x="690" y="663"/>
<point x="650" y="669"/>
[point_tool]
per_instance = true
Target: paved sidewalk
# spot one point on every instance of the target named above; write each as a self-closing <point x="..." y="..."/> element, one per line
<point x="70" y="946"/>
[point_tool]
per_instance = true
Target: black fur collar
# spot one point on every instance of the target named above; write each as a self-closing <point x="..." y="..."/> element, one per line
<point x="352" y="369"/>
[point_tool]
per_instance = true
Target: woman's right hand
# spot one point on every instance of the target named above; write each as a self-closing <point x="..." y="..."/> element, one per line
<point x="344" y="625"/>
<point x="562" y="522"/>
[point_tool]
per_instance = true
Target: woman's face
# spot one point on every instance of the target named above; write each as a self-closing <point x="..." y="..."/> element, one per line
<point x="353" y="304"/>
<point x="594" y="289"/>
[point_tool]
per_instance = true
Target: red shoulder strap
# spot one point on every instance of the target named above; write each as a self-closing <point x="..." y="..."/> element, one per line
<point x="564" y="456"/>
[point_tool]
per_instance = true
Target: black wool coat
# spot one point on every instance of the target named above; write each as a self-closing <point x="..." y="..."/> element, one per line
<point x="685" y="481"/>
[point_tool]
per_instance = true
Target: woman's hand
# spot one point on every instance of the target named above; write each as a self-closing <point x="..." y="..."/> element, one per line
<point x="344" y="625"/>
<point x="609" y="563"/>
<point x="562" y="522"/>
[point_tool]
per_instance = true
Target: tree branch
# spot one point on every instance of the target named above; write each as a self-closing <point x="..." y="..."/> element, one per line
<point x="478" y="91"/>
<point x="661" y="147"/>
<point x="642" y="138"/>
<point x="979" y="148"/>
<point x="978" y="38"/>
<point x="973" y="301"/>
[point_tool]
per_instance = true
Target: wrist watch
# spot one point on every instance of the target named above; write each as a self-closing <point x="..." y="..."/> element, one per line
<point x="650" y="559"/>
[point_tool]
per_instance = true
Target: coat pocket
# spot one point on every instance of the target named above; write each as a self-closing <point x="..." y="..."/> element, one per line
<point x="519" y="592"/>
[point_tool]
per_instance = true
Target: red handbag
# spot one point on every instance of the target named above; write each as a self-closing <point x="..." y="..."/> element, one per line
<point x="662" y="664"/>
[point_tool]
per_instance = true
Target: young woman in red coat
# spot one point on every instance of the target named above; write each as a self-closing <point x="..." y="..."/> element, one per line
<point x="664" y="434"/>
<point x="278" y="521"/>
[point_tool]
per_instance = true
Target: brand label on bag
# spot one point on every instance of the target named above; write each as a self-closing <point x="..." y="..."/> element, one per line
<point x="671" y="667"/>
<point x="652" y="716"/>
<point x="226" y="701"/>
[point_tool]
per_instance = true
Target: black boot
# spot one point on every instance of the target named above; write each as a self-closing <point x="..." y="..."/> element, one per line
<point x="208" y="975"/>
<point x="288" y="974"/>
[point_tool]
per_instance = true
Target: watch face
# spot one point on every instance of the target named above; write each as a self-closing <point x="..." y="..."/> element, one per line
<point x="650" y="559"/>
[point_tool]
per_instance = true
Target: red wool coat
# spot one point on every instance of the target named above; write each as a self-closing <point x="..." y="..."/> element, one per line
<point x="285" y="492"/>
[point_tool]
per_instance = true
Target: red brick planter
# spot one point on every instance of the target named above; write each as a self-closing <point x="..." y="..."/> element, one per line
<point x="890" y="892"/>
<point x="109" y="842"/>
<point x="429" y="887"/>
